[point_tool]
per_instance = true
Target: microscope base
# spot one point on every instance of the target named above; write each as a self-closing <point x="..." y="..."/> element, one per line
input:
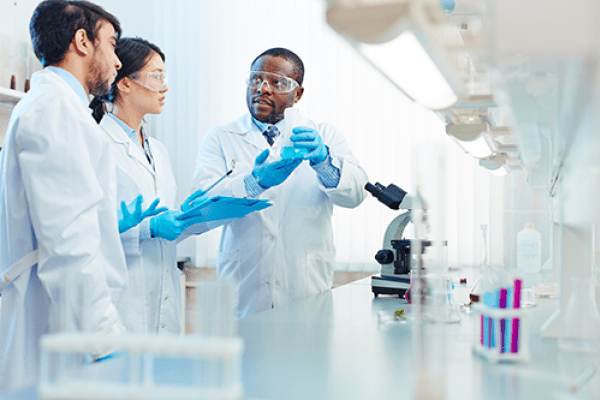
<point x="387" y="284"/>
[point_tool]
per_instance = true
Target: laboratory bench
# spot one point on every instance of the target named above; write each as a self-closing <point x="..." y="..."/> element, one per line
<point x="345" y="344"/>
<point x="342" y="345"/>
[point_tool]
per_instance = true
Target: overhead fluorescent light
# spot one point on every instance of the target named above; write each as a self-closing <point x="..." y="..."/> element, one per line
<point x="474" y="139"/>
<point x="404" y="61"/>
<point x="495" y="164"/>
<point x="401" y="39"/>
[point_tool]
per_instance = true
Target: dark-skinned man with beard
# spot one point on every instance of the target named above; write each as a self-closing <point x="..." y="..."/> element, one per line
<point x="285" y="252"/>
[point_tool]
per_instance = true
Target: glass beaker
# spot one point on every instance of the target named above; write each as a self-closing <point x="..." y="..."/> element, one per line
<point x="292" y="119"/>
<point x="211" y="309"/>
<point x="441" y="302"/>
<point x="581" y="324"/>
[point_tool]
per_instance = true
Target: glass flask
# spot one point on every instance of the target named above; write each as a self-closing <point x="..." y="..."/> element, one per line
<point x="581" y="323"/>
<point x="484" y="282"/>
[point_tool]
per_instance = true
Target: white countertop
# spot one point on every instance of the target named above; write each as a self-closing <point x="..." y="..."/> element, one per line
<point x="331" y="346"/>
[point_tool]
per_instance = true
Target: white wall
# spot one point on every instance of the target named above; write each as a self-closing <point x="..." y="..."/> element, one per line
<point x="135" y="16"/>
<point x="14" y="18"/>
<point x="209" y="46"/>
<point x="15" y="52"/>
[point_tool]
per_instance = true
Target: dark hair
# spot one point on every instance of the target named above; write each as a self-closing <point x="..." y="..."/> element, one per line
<point x="54" y="23"/>
<point x="287" y="55"/>
<point x="133" y="54"/>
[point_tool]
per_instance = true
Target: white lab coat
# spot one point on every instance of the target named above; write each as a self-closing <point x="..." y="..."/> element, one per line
<point x="151" y="303"/>
<point x="284" y="252"/>
<point x="57" y="194"/>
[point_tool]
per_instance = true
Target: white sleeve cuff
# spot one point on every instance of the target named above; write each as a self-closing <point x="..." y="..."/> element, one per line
<point x="144" y="227"/>
<point x="253" y="188"/>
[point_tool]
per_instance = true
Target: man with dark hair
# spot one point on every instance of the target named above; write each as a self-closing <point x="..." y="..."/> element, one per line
<point x="61" y="259"/>
<point x="285" y="252"/>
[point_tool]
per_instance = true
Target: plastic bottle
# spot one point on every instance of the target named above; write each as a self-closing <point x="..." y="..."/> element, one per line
<point x="529" y="249"/>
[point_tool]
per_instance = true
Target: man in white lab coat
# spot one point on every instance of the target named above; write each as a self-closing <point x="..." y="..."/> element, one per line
<point x="58" y="192"/>
<point x="285" y="252"/>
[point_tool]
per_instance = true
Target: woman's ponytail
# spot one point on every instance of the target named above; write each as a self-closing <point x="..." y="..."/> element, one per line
<point x="98" y="108"/>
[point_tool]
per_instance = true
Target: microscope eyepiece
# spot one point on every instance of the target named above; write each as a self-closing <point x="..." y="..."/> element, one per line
<point x="391" y="195"/>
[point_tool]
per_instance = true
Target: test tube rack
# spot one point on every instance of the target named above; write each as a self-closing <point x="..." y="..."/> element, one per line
<point x="501" y="334"/>
<point x="216" y="363"/>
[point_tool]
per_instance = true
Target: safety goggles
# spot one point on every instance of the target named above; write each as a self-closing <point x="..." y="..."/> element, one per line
<point x="152" y="80"/>
<point x="277" y="83"/>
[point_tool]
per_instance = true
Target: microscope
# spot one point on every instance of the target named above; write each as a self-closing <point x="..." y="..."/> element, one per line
<point x="395" y="255"/>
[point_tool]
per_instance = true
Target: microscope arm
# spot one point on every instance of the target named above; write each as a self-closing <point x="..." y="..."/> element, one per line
<point x="395" y="229"/>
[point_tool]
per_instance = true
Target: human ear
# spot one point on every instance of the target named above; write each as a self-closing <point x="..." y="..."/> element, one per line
<point x="81" y="43"/>
<point x="124" y="85"/>
<point x="298" y="95"/>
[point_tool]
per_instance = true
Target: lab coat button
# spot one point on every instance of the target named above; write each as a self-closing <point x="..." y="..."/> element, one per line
<point x="163" y="325"/>
<point x="166" y="298"/>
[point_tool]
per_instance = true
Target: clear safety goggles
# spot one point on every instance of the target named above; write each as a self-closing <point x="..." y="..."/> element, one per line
<point x="276" y="83"/>
<point x="152" y="80"/>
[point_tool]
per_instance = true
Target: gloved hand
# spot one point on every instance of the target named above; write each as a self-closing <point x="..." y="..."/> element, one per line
<point x="131" y="215"/>
<point x="307" y="138"/>
<point x="273" y="174"/>
<point x="193" y="200"/>
<point x="171" y="224"/>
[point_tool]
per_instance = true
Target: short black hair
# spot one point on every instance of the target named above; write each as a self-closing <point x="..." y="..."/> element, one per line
<point x="134" y="54"/>
<point x="54" y="23"/>
<point x="287" y="55"/>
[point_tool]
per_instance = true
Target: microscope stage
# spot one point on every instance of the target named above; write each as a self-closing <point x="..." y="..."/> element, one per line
<point x="388" y="284"/>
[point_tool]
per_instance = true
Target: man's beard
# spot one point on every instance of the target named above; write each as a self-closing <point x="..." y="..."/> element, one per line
<point x="100" y="88"/>
<point x="272" y="118"/>
<point x="97" y="85"/>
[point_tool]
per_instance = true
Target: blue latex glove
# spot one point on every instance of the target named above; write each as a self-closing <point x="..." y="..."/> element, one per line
<point x="131" y="215"/>
<point x="115" y="354"/>
<point x="171" y="224"/>
<point x="273" y="174"/>
<point x="193" y="200"/>
<point x="307" y="138"/>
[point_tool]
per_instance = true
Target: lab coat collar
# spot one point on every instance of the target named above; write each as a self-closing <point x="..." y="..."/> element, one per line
<point x="246" y="123"/>
<point x="245" y="127"/>
<point x="262" y="126"/>
<point x="118" y="135"/>
<point x="72" y="82"/>
<point x="115" y="132"/>
<point x="46" y="76"/>
<point x="132" y="133"/>
<point x="242" y="125"/>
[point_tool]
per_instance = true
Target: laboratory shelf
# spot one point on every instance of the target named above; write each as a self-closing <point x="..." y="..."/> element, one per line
<point x="10" y="95"/>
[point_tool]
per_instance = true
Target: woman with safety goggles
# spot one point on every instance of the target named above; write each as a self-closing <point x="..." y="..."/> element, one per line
<point x="151" y="303"/>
